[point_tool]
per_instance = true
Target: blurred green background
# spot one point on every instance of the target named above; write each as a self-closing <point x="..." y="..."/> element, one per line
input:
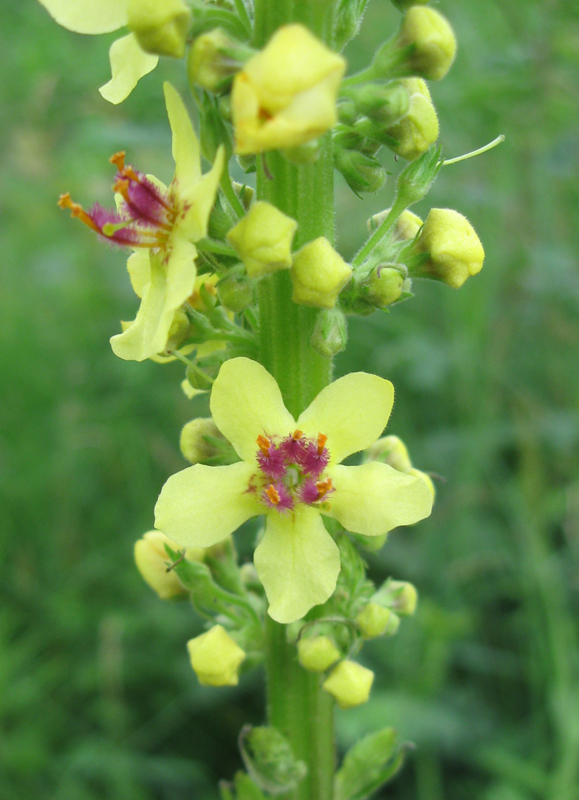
<point x="97" y="699"/>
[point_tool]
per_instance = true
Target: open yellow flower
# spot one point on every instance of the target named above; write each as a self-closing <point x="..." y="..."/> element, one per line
<point x="129" y="63"/>
<point x="290" y="471"/>
<point x="286" y="95"/>
<point x="161" y="224"/>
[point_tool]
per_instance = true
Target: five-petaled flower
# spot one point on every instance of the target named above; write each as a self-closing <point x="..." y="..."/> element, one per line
<point x="291" y="472"/>
<point x="161" y="224"/>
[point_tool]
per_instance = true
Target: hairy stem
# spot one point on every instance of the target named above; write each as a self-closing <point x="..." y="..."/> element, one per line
<point x="296" y="704"/>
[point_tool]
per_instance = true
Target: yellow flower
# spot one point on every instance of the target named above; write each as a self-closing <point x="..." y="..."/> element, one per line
<point x="152" y="560"/>
<point x="162" y="225"/>
<point x="215" y="657"/>
<point x="349" y="683"/>
<point x="129" y="62"/>
<point x="286" y="95"/>
<point x="290" y="471"/>
<point x="318" y="274"/>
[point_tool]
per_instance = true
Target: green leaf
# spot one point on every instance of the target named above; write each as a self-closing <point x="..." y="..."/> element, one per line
<point x="368" y="765"/>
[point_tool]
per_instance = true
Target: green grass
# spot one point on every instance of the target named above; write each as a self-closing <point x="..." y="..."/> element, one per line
<point x="97" y="699"/>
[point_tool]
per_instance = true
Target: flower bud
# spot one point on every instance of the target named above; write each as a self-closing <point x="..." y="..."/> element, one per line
<point x="160" y="28"/>
<point x="371" y="543"/>
<point x="349" y="683"/>
<point x="286" y="94"/>
<point x="373" y="620"/>
<point x="307" y="153"/>
<point x="390" y="450"/>
<point x="235" y="290"/>
<point x="432" y="40"/>
<point x="245" y="193"/>
<point x="318" y="274"/>
<point x="330" y="333"/>
<point x="198" y="379"/>
<point x="263" y="239"/>
<point x="179" y="330"/>
<point x="425" y="477"/>
<point x="214" y="59"/>
<point x="419" y="128"/>
<point x="404" y="597"/>
<point x="317" y="653"/>
<point x="404" y="5"/>
<point x="363" y="173"/>
<point x="384" y="105"/>
<point x="406" y="227"/>
<point x="193" y="441"/>
<point x="215" y="657"/>
<point x="384" y="286"/>
<point x="455" y="251"/>
<point x="152" y="561"/>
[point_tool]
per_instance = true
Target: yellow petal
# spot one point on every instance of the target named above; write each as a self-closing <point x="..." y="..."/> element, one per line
<point x="186" y="152"/>
<point x="352" y="412"/>
<point x="139" y="268"/>
<point x="128" y="65"/>
<point x="246" y="402"/>
<point x="88" y="16"/>
<point x="198" y="200"/>
<point x="202" y="505"/>
<point x="172" y="282"/>
<point x="374" y="498"/>
<point x="298" y="563"/>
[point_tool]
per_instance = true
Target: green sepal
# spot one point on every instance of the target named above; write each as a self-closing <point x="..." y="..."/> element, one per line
<point x="205" y="18"/>
<point x="416" y="179"/>
<point x="269" y="759"/>
<point x="368" y="765"/>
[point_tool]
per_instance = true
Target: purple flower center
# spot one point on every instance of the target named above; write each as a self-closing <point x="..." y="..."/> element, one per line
<point x="292" y="471"/>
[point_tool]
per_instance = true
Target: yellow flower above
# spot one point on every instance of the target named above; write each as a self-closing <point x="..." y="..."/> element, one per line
<point x="290" y="472"/>
<point x="161" y="223"/>
<point x="129" y="63"/>
<point x="286" y="95"/>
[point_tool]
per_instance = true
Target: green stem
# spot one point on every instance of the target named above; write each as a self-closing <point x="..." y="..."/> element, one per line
<point x="296" y="703"/>
<point x="391" y="218"/>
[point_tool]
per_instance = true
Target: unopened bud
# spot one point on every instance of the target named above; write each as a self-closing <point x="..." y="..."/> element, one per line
<point x="363" y="173"/>
<point x="330" y="333"/>
<point x="198" y="379"/>
<point x="318" y="274"/>
<point x="384" y="286"/>
<point x="235" y="290"/>
<point x="349" y="683"/>
<point x="307" y="153"/>
<point x="373" y="620"/>
<point x="348" y="18"/>
<point x="152" y="562"/>
<point x="406" y="227"/>
<point x="194" y="443"/>
<point x="432" y="40"/>
<point x="215" y="657"/>
<point x="160" y="28"/>
<point x="245" y="193"/>
<point x="385" y="105"/>
<point x="317" y="653"/>
<point x="390" y="450"/>
<point x="404" y="597"/>
<point x="424" y="476"/>
<point x="416" y="131"/>
<point x="178" y="331"/>
<point x="455" y="251"/>
<point x="263" y="239"/>
<point x="371" y="543"/>
<point x="214" y="59"/>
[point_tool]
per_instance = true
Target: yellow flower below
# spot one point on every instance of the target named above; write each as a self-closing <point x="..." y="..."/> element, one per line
<point x="290" y="472"/>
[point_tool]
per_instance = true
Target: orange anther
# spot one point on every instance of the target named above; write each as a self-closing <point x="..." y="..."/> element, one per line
<point x="65" y="201"/>
<point x="322" y="439"/>
<point x="297" y="435"/>
<point x="122" y="187"/>
<point x="264" y="444"/>
<point x="324" y="487"/>
<point x="118" y="159"/>
<point x="273" y="494"/>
